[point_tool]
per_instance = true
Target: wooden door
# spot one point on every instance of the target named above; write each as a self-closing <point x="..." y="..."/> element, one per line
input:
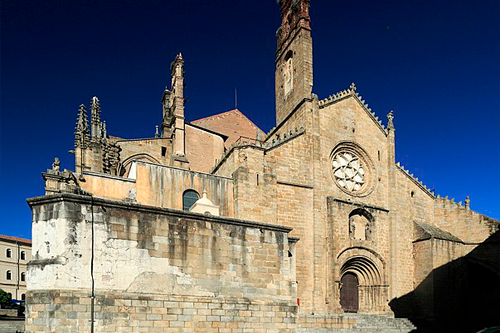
<point x="349" y="299"/>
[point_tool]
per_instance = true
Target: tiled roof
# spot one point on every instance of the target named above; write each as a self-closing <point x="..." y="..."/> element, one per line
<point x="431" y="231"/>
<point x="234" y="124"/>
<point x="15" y="239"/>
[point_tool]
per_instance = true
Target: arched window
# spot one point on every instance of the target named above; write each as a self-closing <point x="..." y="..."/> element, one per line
<point x="23" y="255"/>
<point x="23" y="297"/>
<point x="23" y="276"/>
<point x="8" y="253"/>
<point x="288" y="72"/>
<point x="8" y="275"/>
<point x="189" y="198"/>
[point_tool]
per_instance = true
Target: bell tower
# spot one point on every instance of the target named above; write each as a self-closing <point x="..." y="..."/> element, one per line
<point x="293" y="64"/>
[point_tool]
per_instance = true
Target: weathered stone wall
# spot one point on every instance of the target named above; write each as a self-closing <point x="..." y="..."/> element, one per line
<point x="143" y="251"/>
<point x="462" y="222"/>
<point x="300" y="44"/>
<point x="163" y="186"/>
<point x="69" y="311"/>
<point x="107" y="186"/>
<point x="411" y="204"/>
<point x="154" y="150"/>
<point x="291" y="163"/>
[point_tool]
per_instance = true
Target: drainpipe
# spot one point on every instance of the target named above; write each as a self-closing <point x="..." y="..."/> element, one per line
<point x="92" y="295"/>
<point x="18" y="270"/>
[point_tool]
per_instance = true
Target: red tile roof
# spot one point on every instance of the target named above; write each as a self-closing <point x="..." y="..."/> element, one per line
<point x="234" y="124"/>
<point x="15" y="239"/>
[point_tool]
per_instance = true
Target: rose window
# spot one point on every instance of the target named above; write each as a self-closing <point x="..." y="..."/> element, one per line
<point x="348" y="171"/>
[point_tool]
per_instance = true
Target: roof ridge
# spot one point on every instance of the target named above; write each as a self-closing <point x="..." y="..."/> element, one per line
<point x="236" y="111"/>
<point x="14" y="238"/>
<point x="215" y="115"/>
<point x="434" y="231"/>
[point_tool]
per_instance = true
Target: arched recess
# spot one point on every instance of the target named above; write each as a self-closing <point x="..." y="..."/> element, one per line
<point x="125" y="165"/>
<point x="369" y="268"/>
<point x="361" y="224"/>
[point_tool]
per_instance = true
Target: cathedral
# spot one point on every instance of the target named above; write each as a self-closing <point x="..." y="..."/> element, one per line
<point x="215" y="226"/>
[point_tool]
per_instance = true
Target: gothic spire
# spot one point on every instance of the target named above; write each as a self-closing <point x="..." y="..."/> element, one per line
<point x="82" y="127"/>
<point x="95" y="113"/>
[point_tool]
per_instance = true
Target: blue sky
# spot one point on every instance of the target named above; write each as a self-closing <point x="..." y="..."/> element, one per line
<point x="436" y="63"/>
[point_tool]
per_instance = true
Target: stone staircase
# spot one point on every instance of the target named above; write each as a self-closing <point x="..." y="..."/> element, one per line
<point x="381" y="323"/>
<point x="368" y="323"/>
<point x="11" y="326"/>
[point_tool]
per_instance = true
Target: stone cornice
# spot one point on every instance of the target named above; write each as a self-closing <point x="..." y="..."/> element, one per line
<point x="89" y="200"/>
<point x="310" y="187"/>
<point x="286" y="137"/>
<point x="357" y="204"/>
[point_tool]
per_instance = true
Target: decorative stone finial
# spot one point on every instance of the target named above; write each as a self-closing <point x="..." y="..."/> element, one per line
<point x="95" y="118"/>
<point x="157" y="133"/>
<point x="82" y="127"/>
<point x="390" y="120"/>
<point x="56" y="164"/>
<point x="103" y="130"/>
<point x="467" y="202"/>
<point x="352" y="87"/>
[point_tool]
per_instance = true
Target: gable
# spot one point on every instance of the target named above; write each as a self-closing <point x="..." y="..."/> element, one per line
<point x="352" y="94"/>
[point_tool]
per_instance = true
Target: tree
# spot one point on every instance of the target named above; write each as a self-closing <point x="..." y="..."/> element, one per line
<point x="5" y="298"/>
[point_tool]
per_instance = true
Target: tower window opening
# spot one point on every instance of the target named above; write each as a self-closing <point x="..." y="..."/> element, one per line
<point x="8" y="275"/>
<point x="288" y="72"/>
<point x="8" y="253"/>
<point x="163" y="151"/>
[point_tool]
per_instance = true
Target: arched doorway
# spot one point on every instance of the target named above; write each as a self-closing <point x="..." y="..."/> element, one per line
<point x="362" y="271"/>
<point x="349" y="294"/>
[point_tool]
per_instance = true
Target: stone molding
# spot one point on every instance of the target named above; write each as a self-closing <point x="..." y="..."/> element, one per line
<point x="357" y="204"/>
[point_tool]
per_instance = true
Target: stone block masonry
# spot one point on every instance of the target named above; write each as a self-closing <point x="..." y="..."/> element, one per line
<point x="155" y="270"/>
<point x="69" y="311"/>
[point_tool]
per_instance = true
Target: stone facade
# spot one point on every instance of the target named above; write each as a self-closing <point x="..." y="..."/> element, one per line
<point x="311" y="227"/>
